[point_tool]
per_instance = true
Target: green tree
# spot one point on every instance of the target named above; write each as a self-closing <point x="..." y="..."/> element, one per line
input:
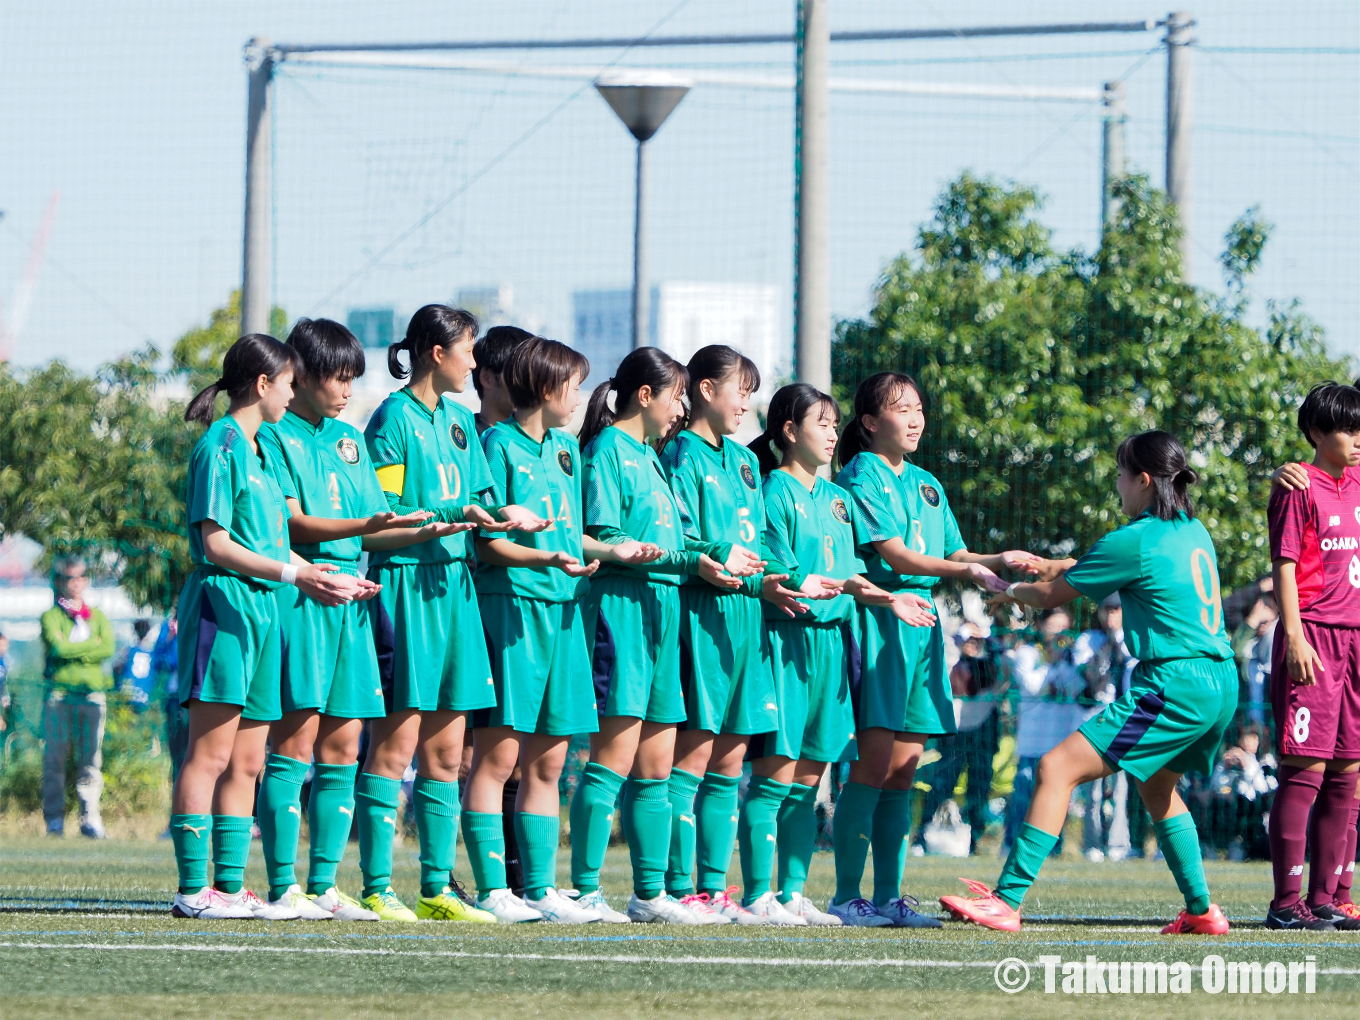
<point x="1035" y="362"/>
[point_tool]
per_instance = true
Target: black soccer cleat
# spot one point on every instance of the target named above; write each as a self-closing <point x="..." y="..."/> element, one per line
<point x="1297" y="918"/>
<point x="1340" y="921"/>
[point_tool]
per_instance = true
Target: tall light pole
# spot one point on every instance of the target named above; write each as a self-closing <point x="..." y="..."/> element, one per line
<point x="1179" y="115"/>
<point x="642" y="102"/>
<point x="812" y="215"/>
<point x="256" y="272"/>
<point x="1112" y="156"/>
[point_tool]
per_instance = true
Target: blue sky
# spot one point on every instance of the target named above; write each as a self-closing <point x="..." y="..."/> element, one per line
<point x="134" y="113"/>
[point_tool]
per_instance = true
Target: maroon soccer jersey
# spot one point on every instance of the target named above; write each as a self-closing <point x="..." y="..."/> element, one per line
<point x="1319" y="529"/>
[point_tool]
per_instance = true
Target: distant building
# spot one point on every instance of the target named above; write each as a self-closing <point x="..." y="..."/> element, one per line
<point x="375" y="327"/>
<point x="745" y="316"/>
<point x="493" y="306"/>
<point x="602" y="329"/>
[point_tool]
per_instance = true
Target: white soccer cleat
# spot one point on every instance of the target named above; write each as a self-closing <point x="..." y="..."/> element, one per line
<point x="596" y="903"/>
<point x="342" y="907"/>
<point x="701" y="906"/>
<point x="727" y="905"/>
<point x="508" y="908"/>
<point x="664" y="909"/>
<point x="209" y="904"/>
<point x="767" y="905"/>
<point x="262" y="911"/>
<point x="800" y="906"/>
<point x="557" y="909"/>
<point x="859" y="913"/>
<point x="297" y="900"/>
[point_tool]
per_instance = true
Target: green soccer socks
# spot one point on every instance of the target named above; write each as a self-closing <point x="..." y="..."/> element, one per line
<point x="681" y="789"/>
<point x="853" y="830"/>
<point x="715" y="811"/>
<point x="647" y="824"/>
<point x="538" y="835"/>
<point x="1027" y="856"/>
<point x="230" y="851"/>
<point x="278" y="810"/>
<point x="757" y="834"/>
<point x="484" y="837"/>
<point x="376" y="799"/>
<point x="192" y="836"/>
<point x="892" y="823"/>
<point x="797" y="838"/>
<point x="436" y="812"/>
<point x="592" y="822"/>
<point x="1179" y="842"/>
<point x="330" y="817"/>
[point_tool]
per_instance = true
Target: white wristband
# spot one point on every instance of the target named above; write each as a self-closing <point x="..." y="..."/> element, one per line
<point x="289" y="575"/>
<point x="1010" y="589"/>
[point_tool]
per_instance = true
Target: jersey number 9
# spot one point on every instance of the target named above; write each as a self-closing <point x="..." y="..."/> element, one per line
<point x="1206" y="587"/>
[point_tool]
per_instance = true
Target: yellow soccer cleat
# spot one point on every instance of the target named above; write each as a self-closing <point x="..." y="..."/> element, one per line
<point x="388" y="907"/>
<point x="448" y="907"/>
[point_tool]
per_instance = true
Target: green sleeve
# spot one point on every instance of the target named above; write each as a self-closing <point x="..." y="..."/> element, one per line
<point x="603" y="494"/>
<point x="279" y="467"/>
<point x="669" y="563"/>
<point x="713" y="550"/>
<point x="874" y="517"/>
<point x="215" y="487"/>
<point x="1112" y="563"/>
<point x="776" y="542"/>
<point x="442" y="515"/>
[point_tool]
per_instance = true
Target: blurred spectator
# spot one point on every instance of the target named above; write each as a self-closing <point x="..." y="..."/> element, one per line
<point x="1252" y="642"/>
<point x="1049" y="686"/>
<point x="77" y="639"/>
<point x="165" y="669"/>
<point x="1239" y="796"/>
<point x="132" y="667"/>
<point x="975" y="682"/>
<point x="1103" y="660"/>
<point x="4" y="688"/>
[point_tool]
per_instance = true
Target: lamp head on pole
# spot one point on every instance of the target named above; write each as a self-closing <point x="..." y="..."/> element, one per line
<point x="642" y="100"/>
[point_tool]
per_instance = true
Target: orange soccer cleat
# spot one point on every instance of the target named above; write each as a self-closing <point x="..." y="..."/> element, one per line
<point x="1211" y="922"/>
<point x="986" y="909"/>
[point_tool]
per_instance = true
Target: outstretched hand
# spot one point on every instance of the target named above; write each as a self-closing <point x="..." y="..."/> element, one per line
<point x="772" y="590"/>
<point x="635" y="552"/>
<point x="985" y="579"/>
<point x="715" y="574"/>
<point x="388" y="519"/>
<point x="913" y="610"/>
<point x="571" y="566"/>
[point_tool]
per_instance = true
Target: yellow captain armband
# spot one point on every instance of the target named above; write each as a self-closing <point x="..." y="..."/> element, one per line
<point x="392" y="478"/>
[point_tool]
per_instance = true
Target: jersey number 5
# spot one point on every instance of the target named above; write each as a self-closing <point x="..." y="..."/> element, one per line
<point x="1206" y="587"/>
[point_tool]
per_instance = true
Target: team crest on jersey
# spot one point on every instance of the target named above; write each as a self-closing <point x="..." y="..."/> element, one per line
<point x="748" y="476"/>
<point x="839" y="511"/>
<point x="564" y="462"/>
<point x="458" y="436"/>
<point x="348" y="450"/>
<point x="930" y="494"/>
<point x="1357" y="515"/>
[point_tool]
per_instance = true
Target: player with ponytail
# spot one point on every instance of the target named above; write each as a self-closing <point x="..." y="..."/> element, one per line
<point x="229" y="640"/>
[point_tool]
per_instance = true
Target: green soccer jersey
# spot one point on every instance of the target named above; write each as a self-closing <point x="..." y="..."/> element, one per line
<point x="325" y="468"/>
<point x="911" y="506"/>
<point x="811" y="533"/>
<point x="544" y="478"/>
<point x="427" y="460"/>
<point x="234" y="487"/>
<point x="626" y="490"/>
<point x="717" y="491"/>
<point x="1166" y="573"/>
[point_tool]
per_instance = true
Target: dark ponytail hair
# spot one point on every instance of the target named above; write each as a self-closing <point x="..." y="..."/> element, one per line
<point x="719" y="363"/>
<point x="250" y="357"/>
<point x="790" y="404"/>
<point x="872" y="396"/>
<point x="1161" y="456"/>
<point x="645" y="366"/>
<point x="432" y="326"/>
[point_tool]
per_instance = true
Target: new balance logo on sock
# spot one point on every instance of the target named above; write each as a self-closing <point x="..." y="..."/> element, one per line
<point x="1296" y="870"/>
<point x="197" y="830"/>
<point x="1338" y="869"/>
<point x="345" y="811"/>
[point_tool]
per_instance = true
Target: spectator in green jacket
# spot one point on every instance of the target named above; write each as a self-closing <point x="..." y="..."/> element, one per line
<point x="78" y="639"/>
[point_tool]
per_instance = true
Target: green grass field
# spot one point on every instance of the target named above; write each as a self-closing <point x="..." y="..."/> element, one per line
<point x="125" y="961"/>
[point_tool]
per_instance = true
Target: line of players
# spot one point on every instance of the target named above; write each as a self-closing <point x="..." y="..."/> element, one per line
<point x="691" y="609"/>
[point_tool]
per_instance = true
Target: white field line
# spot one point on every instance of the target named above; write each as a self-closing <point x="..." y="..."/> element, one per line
<point x="741" y="961"/>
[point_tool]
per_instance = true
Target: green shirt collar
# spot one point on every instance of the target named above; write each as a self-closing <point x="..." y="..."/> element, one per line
<point x="417" y="403"/>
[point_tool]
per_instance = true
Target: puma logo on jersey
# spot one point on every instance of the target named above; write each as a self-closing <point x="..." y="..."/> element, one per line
<point x="772" y="706"/>
<point x="710" y="480"/>
<point x="345" y="811"/>
<point x="630" y="463"/>
<point x="295" y="442"/>
<point x="197" y="830"/>
<point x="1346" y="543"/>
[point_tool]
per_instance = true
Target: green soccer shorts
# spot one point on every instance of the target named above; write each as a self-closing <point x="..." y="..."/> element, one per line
<point x="428" y="634"/>
<point x="228" y="645"/>
<point x="811" y="667"/>
<point x="1172" y="717"/>
<point x="904" y="685"/>
<point x="634" y="631"/>
<point x="540" y="666"/>
<point x="727" y="683"/>
<point x="329" y="660"/>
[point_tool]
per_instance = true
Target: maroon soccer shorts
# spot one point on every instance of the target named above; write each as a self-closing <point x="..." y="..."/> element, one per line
<point x="1321" y="720"/>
